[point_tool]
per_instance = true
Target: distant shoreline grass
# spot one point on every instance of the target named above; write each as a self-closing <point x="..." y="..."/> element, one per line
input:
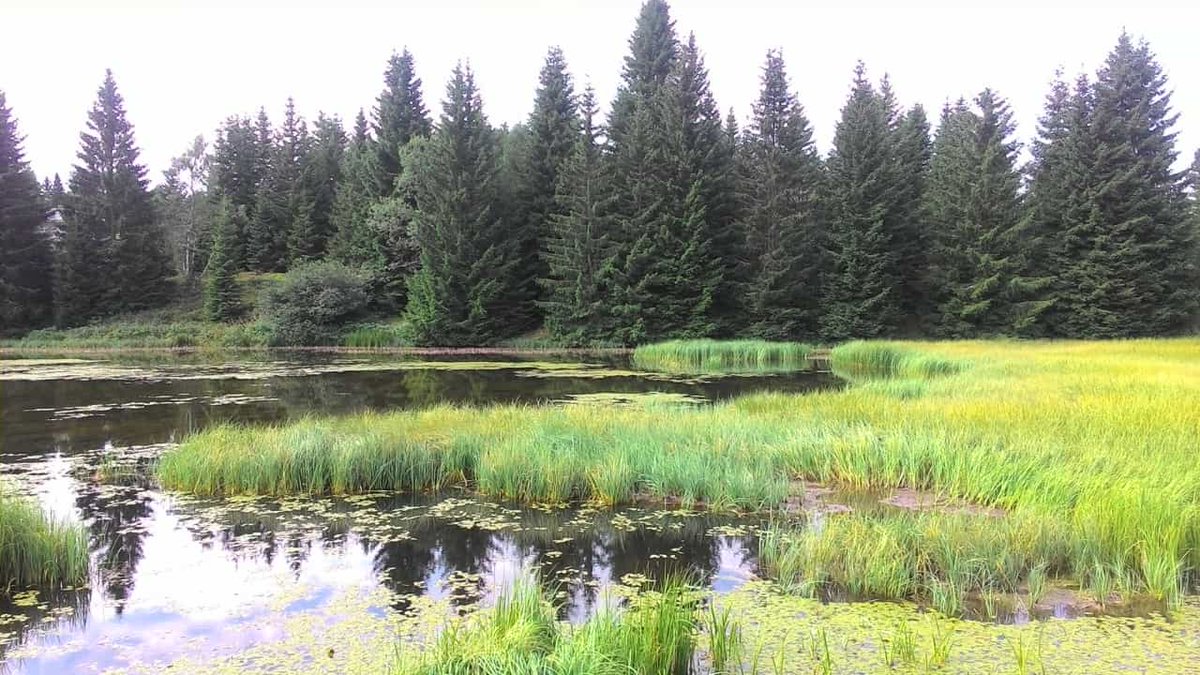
<point x="36" y="549"/>
<point x="707" y="356"/>
<point x="1095" y="441"/>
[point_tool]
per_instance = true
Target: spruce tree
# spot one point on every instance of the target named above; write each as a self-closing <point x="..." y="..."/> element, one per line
<point x="284" y="205"/>
<point x="400" y="116"/>
<point x="862" y="298"/>
<point x="114" y="257"/>
<point x="973" y="207"/>
<point x="780" y="180"/>
<point x="1147" y="238"/>
<point x="577" y="247"/>
<point x="26" y="292"/>
<point x="321" y="173"/>
<point x="552" y="130"/>
<point x="222" y="297"/>
<point x="913" y="149"/>
<point x="353" y="242"/>
<point x="671" y="175"/>
<point x="1109" y="215"/>
<point x="463" y="292"/>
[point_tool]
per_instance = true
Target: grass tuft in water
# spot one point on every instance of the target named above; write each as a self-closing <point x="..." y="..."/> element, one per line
<point x="36" y="549"/>
<point x="657" y="633"/>
<point x="717" y="356"/>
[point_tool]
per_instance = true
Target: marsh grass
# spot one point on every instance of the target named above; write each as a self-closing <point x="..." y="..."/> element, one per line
<point x="722" y="356"/>
<point x="657" y="633"/>
<point x="378" y="336"/>
<point x="865" y="360"/>
<point x="1089" y="447"/>
<point x="36" y="549"/>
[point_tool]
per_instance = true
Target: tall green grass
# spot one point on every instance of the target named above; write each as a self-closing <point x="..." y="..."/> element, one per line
<point x="708" y="356"/>
<point x="36" y="549"/>
<point x="1094" y="443"/>
<point x="378" y="336"/>
<point x="657" y="633"/>
<point x="940" y="558"/>
<point x="864" y="360"/>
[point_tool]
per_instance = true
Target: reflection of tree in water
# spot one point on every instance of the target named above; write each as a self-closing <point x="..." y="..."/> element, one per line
<point x="116" y="517"/>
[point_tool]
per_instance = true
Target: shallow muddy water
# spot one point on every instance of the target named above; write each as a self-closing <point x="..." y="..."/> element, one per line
<point x="175" y="577"/>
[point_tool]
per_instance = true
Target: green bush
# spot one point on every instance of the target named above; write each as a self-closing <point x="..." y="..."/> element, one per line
<point x="313" y="302"/>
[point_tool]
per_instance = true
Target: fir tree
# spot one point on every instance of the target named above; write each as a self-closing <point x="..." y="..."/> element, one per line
<point x="553" y="129"/>
<point x="973" y="209"/>
<point x="1146" y="237"/>
<point x="400" y="116"/>
<point x="353" y="241"/>
<point x="322" y="171"/>
<point x="222" y="297"/>
<point x="1110" y="216"/>
<point x="283" y="204"/>
<point x="861" y="294"/>
<point x="577" y="249"/>
<point x="910" y="238"/>
<point x="26" y="292"/>
<point x="671" y="177"/>
<point x="780" y="188"/>
<point x="114" y="255"/>
<point x="462" y="293"/>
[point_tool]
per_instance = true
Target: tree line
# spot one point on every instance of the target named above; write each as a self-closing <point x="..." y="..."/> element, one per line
<point x="663" y="220"/>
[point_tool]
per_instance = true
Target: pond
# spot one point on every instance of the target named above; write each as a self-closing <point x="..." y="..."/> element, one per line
<point x="177" y="578"/>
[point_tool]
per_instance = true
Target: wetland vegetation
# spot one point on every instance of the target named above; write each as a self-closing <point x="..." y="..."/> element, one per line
<point x="953" y="506"/>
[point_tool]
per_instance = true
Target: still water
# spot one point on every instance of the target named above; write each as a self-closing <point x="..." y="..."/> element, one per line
<point x="179" y="578"/>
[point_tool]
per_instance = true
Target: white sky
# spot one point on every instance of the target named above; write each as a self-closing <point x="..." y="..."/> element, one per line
<point x="183" y="68"/>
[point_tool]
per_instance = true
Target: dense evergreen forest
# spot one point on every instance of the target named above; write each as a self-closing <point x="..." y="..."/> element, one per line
<point x="663" y="219"/>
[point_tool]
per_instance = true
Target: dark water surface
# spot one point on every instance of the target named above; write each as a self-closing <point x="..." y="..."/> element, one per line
<point x="178" y="576"/>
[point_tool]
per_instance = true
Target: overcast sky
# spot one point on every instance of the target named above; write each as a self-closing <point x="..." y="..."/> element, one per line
<point x="183" y="69"/>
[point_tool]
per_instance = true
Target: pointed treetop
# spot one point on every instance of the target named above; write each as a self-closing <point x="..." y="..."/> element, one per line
<point x="360" y="128"/>
<point x="652" y="48"/>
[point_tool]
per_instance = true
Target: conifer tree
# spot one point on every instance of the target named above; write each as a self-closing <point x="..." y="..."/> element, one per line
<point x="462" y="293"/>
<point x="114" y="256"/>
<point x="780" y="180"/>
<point x="353" y="241"/>
<point x="26" y="292"/>
<point x="672" y="182"/>
<point x="1109" y="214"/>
<point x="577" y="247"/>
<point x="861" y="294"/>
<point x="222" y="297"/>
<point x="283" y="204"/>
<point x="400" y="116"/>
<point x="321" y="173"/>
<point x="552" y="130"/>
<point x="1146" y="234"/>
<point x="910" y="238"/>
<point x="973" y="209"/>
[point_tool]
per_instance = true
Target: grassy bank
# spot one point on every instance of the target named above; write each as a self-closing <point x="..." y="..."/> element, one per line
<point x="708" y="356"/>
<point x="37" y="550"/>
<point x="1092" y="442"/>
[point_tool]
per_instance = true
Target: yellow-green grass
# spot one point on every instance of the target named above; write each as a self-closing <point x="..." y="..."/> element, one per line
<point x="708" y="356"/>
<point x="37" y="549"/>
<point x="522" y="636"/>
<point x="1094" y="440"/>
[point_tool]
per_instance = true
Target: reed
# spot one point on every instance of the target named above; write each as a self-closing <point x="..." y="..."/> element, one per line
<point x="37" y="549"/>
<point x="722" y="356"/>
<point x="1089" y="446"/>
<point x="378" y="336"/>
<point x="657" y="633"/>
